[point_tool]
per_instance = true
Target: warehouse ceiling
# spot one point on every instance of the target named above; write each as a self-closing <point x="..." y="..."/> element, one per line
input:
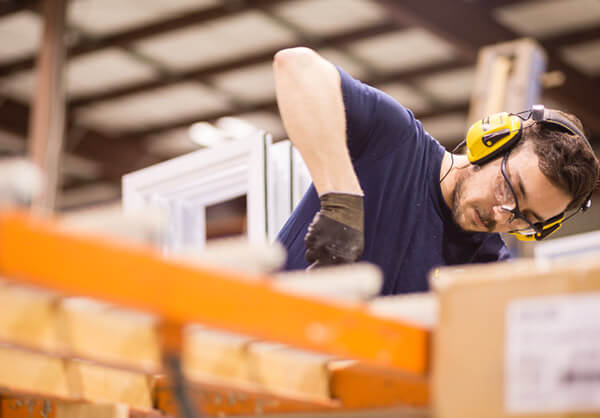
<point x="140" y="72"/>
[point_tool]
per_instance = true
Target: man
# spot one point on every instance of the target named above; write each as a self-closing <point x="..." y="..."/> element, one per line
<point x="422" y="206"/>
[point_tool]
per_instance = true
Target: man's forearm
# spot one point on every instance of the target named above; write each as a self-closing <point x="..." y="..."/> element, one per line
<point x="310" y="101"/>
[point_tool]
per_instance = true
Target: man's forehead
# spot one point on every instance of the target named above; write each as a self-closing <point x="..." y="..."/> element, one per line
<point x="524" y="162"/>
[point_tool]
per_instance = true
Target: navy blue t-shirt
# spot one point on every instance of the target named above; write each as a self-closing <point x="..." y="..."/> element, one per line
<point x="409" y="229"/>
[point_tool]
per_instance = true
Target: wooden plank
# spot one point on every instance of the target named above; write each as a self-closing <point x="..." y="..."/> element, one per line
<point x="40" y="375"/>
<point x="32" y="373"/>
<point x="288" y="371"/>
<point x="88" y="410"/>
<point x="217" y="356"/>
<point x="240" y="254"/>
<point x="77" y="327"/>
<point x="355" y="282"/>
<point x="100" y="384"/>
<point x="417" y="308"/>
<point x="97" y="331"/>
<point x="27" y="316"/>
<point x="142" y="226"/>
<point x="136" y="277"/>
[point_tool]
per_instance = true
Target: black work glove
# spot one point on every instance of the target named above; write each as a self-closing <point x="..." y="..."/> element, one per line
<point x="336" y="234"/>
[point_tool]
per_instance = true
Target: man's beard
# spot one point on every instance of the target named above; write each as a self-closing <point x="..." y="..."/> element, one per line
<point x="457" y="195"/>
<point x="457" y="199"/>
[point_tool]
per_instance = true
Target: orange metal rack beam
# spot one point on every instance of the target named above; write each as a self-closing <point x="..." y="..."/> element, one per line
<point x="39" y="251"/>
<point x="352" y="388"/>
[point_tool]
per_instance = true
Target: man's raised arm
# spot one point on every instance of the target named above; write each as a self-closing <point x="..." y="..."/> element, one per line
<point x="310" y="101"/>
<point x="309" y="96"/>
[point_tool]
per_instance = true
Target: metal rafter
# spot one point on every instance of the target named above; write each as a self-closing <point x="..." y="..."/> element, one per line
<point x="414" y="74"/>
<point x="494" y="4"/>
<point x="572" y="38"/>
<point x="470" y="26"/>
<point x="266" y="106"/>
<point x="8" y="7"/>
<point x="463" y="25"/>
<point x="14" y="117"/>
<point x="442" y="110"/>
<point x="203" y="72"/>
<point x="127" y="37"/>
<point x="271" y="105"/>
<point x="115" y="155"/>
<point x="467" y="26"/>
<point x="125" y="152"/>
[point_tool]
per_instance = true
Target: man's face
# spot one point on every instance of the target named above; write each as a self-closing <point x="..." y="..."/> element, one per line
<point x="480" y="194"/>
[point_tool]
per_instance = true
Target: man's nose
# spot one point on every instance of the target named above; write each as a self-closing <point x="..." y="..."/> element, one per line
<point x="501" y="216"/>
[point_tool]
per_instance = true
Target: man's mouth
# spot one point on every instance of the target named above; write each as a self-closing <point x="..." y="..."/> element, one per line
<point x="477" y="217"/>
<point x="483" y="221"/>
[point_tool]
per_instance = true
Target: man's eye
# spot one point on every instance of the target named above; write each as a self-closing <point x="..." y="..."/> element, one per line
<point x="507" y="192"/>
<point x="531" y="218"/>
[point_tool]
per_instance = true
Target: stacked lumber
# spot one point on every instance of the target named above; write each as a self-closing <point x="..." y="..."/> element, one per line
<point x="79" y="349"/>
<point x="47" y="340"/>
<point x="91" y="353"/>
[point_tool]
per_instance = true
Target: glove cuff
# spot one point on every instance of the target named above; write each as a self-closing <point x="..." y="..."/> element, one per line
<point x="345" y="208"/>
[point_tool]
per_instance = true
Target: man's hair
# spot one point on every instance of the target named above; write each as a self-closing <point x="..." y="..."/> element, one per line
<point x="564" y="158"/>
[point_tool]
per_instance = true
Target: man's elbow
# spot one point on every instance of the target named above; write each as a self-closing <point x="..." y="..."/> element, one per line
<point x="297" y="57"/>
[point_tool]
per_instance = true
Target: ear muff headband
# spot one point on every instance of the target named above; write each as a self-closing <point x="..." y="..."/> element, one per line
<point x="541" y="114"/>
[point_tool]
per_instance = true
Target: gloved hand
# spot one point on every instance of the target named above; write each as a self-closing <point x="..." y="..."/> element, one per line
<point x="336" y="234"/>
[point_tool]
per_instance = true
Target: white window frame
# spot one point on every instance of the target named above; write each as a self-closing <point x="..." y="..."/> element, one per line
<point x="290" y="180"/>
<point x="186" y="185"/>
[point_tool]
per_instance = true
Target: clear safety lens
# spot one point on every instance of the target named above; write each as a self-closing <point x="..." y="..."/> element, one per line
<point x="508" y="199"/>
<point x="517" y="223"/>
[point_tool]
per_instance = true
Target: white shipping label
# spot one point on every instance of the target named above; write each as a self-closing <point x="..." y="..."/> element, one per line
<point x="552" y="354"/>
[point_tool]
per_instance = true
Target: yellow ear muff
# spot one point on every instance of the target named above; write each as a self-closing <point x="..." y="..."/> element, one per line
<point x="492" y="136"/>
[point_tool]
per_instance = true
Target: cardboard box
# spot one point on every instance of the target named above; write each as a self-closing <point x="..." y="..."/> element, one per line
<point x="518" y="339"/>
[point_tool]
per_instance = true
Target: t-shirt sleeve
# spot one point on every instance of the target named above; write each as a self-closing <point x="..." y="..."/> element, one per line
<point x="376" y="123"/>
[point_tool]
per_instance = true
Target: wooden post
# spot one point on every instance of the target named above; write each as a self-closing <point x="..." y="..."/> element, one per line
<point x="46" y="124"/>
<point x="507" y="79"/>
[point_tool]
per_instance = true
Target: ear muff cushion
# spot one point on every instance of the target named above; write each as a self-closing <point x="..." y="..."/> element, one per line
<point x="492" y="136"/>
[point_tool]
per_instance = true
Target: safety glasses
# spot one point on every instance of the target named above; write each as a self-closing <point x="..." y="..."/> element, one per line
<point x="515" y="212"/>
